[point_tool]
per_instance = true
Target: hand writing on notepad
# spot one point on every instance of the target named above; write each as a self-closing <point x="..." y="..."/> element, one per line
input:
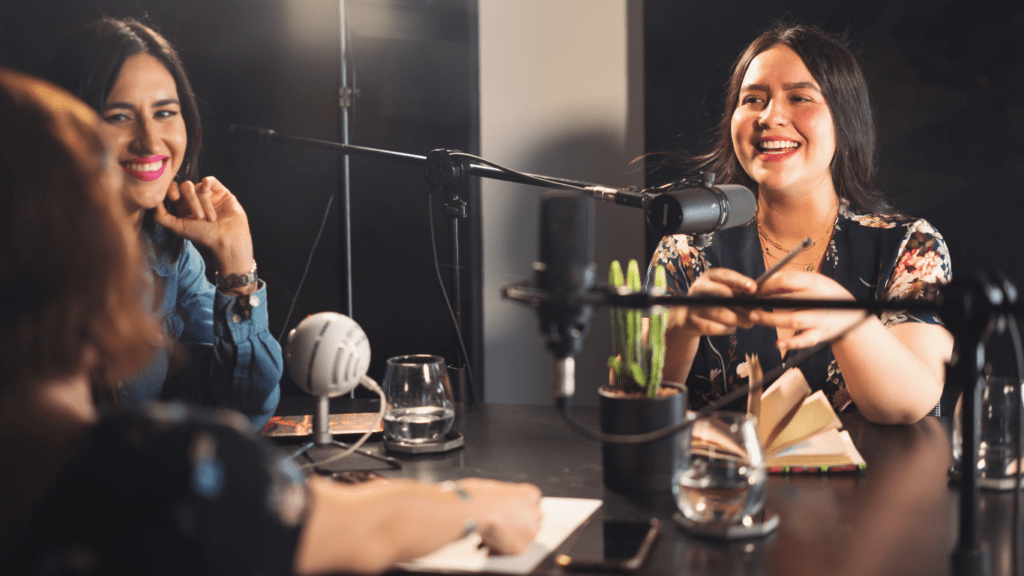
<point x="504" y="528"/>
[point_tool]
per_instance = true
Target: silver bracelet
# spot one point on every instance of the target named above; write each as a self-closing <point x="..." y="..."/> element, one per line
<point x="453" y="487"/>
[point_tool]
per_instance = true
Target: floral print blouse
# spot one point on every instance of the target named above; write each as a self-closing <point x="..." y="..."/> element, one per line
<point x="877" y="257"/>
<point x="170" y="490"/>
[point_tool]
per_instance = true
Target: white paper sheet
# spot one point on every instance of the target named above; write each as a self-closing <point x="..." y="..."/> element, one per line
<point x="561" y="517"/>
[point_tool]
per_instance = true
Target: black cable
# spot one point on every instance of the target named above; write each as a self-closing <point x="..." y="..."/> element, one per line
<point x="538" y="180"/>
<point x="451" y="313"/>
<point x="309" y="260"/>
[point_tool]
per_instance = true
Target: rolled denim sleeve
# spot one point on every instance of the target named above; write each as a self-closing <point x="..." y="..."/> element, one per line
<point x="247" y="364"/>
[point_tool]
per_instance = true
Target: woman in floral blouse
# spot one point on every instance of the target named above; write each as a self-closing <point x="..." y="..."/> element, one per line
<point x="799" y="131"/>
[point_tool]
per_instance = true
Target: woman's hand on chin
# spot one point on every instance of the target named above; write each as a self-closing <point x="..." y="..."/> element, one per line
<point x="807" y="327"/>
<point x="210" y="215"/>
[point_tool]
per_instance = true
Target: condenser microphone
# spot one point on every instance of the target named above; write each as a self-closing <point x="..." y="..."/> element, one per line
<point x="699" y="209"/>
<point x="566" y="270"/>
<point x="328" y="355"/>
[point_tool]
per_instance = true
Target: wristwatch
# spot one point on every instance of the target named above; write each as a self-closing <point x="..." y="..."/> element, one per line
<point x="236" y="280"/>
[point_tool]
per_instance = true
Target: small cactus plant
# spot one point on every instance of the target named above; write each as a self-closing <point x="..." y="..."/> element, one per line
<point x="637" y="365"/>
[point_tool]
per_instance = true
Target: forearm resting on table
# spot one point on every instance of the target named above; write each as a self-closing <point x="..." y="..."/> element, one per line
<point x="894" y="375"/>
<point x="370" y="527"/>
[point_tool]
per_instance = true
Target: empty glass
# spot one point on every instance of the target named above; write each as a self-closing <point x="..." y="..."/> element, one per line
<point x="722" y="476"/>
<point x="419" y="407"/>
<point x="996" y="458"/>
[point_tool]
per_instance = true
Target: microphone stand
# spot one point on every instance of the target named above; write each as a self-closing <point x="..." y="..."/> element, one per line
<point x="445" y="170"/>
<point x="322" y="436"/>
<point x="978" y="307"/>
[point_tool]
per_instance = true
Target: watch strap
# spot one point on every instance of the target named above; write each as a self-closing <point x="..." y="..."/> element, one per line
<point x="236" y="280"/>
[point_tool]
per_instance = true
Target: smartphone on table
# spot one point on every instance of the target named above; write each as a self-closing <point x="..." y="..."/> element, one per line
<point x="610" y="546"/>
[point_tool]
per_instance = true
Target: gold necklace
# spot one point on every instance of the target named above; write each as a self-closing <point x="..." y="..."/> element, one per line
<point x="811" y="267"/>
<point x="808" y="267"/>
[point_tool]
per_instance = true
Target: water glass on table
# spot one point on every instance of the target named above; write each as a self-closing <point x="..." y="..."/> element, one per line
<point x="419" y="406"/>
<point x="997" y="460"/>
<point x="722" y="478"/>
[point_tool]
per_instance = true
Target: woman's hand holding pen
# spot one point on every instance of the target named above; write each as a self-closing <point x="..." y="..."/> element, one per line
<point x="805" y="328"/>
<point x="696" y="321"/>
<point x="509" y="514"/>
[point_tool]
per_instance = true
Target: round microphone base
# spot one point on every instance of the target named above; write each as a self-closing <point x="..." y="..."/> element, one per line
<point x="451" y="441"/>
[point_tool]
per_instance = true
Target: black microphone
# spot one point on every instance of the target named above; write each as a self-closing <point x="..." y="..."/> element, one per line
<point x="699" y="209"/>
<point x="687" y="206"/>
<point x="566" y="270"/>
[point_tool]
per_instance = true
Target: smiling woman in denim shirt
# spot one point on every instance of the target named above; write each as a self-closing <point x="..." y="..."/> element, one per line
<point x="218" y="349"/>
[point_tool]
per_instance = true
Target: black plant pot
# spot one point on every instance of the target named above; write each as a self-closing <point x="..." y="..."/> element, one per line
<point x="647" y="467"/>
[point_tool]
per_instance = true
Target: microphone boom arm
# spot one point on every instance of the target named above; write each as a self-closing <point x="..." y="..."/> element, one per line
<point x="445" y="170"/>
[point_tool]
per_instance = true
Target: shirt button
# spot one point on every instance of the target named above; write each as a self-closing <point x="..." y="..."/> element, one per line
<point x="236" y="318"/>
<point x="254" y="301"/>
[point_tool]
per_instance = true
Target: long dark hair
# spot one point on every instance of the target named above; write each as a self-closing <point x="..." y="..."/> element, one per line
<point x="835" y="68"/>
<point x="88" y="64"/>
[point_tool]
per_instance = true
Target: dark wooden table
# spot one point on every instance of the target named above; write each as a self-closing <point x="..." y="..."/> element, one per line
<point x="899" y="517"/>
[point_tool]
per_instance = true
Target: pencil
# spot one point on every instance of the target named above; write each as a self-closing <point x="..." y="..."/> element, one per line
<point x="785" y="260"/>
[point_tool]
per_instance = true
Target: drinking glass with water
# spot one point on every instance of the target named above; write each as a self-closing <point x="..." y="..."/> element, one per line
<point x="997" y="460"/>
<point x="419" y="407"/>
<point x="722" y="476"/>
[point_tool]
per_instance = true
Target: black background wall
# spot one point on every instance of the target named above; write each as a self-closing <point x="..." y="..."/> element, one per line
<point x="945" y="78"/>
<point x="277" y="65"/>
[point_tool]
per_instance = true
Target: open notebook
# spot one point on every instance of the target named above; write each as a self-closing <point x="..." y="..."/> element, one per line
<point x="800" y="432"/>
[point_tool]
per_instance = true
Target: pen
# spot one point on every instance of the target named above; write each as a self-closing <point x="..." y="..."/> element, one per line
<point x="785" y="260"/>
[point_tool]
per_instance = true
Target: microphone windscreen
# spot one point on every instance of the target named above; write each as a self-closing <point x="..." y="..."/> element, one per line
<point x="566" y="268"/>
<point x="742" y="204"/>
<point x="327" y="354"/>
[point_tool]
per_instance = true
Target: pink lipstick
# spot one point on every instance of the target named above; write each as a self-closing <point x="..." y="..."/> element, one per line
<point x="147" y="169"/>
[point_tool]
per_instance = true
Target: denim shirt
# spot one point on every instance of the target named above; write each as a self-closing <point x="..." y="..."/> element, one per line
<point x="221" y="358"/>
